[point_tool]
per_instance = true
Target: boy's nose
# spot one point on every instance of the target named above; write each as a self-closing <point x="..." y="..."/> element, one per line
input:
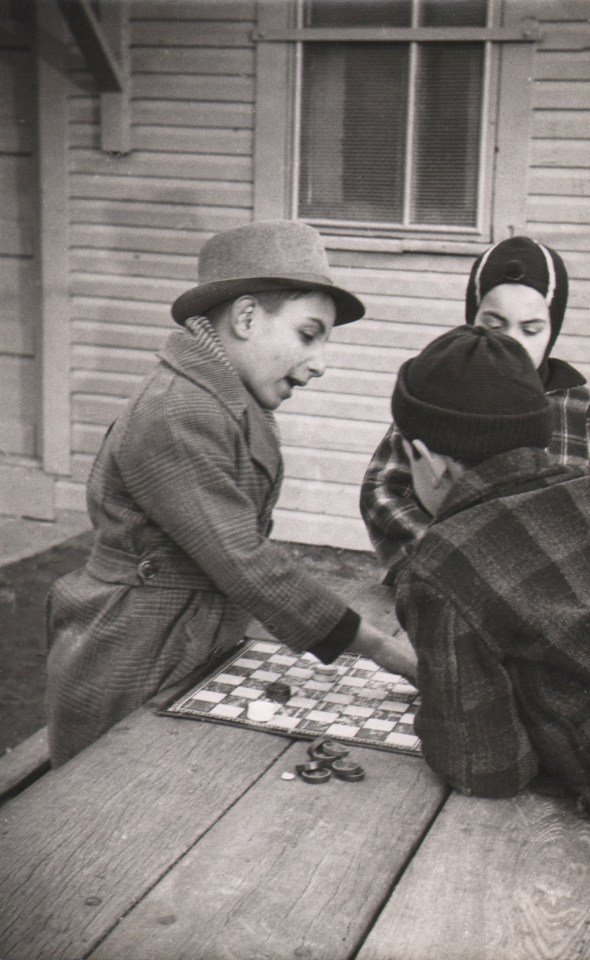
<point x="317" y="362"/>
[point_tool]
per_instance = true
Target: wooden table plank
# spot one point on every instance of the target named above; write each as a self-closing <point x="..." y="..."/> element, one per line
<point x="494" y="880"/>
<point x="83" y="844"/>
<point x="292" y="871"/>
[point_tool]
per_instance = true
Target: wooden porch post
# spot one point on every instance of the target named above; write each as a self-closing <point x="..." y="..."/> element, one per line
<point x="54" y="341"/>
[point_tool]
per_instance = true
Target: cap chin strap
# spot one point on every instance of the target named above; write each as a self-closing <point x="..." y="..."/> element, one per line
<point x="477" y="282"/>
<point x="552" y="281"/>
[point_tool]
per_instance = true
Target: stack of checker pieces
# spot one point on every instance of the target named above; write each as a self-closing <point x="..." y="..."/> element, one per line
<point x="329" y="757"/>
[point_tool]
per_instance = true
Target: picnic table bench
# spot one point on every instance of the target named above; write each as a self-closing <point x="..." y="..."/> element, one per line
<point x="170" y="839"/>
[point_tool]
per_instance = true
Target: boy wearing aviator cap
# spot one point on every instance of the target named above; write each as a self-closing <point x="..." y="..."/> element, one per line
<point x="182" y="491"/>
<point x="518" y="287"/>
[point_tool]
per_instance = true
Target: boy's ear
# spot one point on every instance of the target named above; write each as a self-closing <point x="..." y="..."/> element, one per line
<point x="241" y="316"/>
<point x="435" y="462"/>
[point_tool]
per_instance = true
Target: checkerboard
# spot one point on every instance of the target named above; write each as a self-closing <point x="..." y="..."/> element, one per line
<point x="363" y="704"/>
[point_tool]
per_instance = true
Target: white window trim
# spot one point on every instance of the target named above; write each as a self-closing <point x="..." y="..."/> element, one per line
<point x="507" y="123"/>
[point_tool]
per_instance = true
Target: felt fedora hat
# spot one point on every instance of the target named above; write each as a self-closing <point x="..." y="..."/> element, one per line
<point x="265" y="255"/>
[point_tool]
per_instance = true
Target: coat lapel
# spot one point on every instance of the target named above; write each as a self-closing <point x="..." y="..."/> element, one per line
<point x="198" y="355"/>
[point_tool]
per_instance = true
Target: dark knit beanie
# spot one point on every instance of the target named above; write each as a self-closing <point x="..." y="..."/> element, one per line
<point x="520" y="260"/>
<point x="470" y="394"/>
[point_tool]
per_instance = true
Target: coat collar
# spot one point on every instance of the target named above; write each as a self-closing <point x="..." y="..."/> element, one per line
<point x="506" y="474"/>
<point x="197" y="354"/>
<point x="559" y="375"/>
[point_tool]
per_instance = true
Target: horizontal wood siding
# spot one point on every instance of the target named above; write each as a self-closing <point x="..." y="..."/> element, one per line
<point x="139" y="221"/>
<point x="558" y="201"/>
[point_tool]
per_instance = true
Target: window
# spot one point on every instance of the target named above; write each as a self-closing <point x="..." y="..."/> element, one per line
<point x="386" y="114"/>
<point x="391" y="133"/>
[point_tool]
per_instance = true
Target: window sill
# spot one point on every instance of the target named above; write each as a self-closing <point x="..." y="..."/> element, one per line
<point x="403" y="245"/>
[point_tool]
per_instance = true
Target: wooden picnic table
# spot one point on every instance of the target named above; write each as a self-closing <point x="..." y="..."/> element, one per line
<point x="171" y="839"/>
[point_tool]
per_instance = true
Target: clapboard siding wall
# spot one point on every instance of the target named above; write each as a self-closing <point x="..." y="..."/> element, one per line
<point x="139" y="221"/>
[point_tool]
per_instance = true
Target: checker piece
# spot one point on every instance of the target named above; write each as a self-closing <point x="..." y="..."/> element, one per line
<point x="348" y="770"/>
<point x="314" y="771"/>
<point x="278" y="691"/>
<point x="327" y="750"/>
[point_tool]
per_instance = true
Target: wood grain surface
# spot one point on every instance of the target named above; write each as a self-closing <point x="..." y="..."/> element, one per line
<point x="83" y="844"/>
<point x="293" y="870"/>
<point x="494" y="880"/>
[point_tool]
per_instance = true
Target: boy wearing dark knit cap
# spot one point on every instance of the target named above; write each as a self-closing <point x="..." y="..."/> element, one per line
<point x="518" y="287"/>
<point x="496" y="596"/>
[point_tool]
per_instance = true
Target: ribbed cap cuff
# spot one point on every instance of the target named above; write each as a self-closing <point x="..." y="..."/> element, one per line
<point x="466" y="436"/>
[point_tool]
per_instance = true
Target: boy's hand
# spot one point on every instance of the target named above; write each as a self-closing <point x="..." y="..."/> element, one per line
<point x="394" y="654"/>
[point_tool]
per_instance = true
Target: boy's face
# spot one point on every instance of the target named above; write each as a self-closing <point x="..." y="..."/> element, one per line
<point x="433" y="475"/>
<point x="521" y="313"/>
<point x="286" y="349"/>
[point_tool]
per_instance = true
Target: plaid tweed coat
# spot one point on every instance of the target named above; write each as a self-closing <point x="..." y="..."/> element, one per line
<point x="181" y="496"/>
<point x="394" y="518"/>
<point x="496" y="602"/>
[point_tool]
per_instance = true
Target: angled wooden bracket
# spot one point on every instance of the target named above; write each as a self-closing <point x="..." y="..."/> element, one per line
<point x="104" y="44"/>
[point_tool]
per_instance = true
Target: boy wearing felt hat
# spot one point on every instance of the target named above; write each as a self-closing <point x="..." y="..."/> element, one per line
<point x="518" y="287"/>
<point x="182" y="491"/>
<point x="496" y="596"/>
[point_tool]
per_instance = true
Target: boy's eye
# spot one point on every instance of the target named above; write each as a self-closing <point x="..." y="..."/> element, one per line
<point x="494" y="323"/>
<point x="307" y="337"/>
<point x="531" y="329"/>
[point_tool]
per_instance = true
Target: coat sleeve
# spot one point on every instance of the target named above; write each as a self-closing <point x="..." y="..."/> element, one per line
<point x="393" y="517"/>
<point x="468" y="720"/>
<point x="184" y="473"/>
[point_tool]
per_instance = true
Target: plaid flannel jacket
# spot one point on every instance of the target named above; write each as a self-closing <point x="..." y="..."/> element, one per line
<point x="394" y="518"/>
<point x="496" y="602"/>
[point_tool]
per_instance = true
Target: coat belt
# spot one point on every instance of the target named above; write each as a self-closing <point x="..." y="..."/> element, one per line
<point x="152" y="569"/>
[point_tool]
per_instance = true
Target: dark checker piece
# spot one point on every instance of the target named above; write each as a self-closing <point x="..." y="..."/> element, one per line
<point x="313" y="772"/>
<point x="324" y="748"/>
<point x="348" y="770"/>
<point x="278" y="691"/>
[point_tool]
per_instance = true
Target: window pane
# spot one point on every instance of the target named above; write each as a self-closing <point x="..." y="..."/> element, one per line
<point x="353" y="131"/>
<point x="447" y="134"/>
<point x="453" y="13"/>
<point x="358" y="13"/>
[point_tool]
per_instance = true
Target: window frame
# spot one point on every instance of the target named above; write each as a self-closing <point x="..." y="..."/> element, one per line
<point x="506" y="122"/>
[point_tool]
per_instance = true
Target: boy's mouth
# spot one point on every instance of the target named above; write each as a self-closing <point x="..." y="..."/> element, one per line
<point x="293" y="382"/>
